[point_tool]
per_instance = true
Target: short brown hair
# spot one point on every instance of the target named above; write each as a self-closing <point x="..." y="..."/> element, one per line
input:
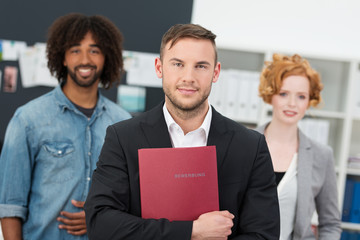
<point x="71" y="29"/>
<point x="275" y="72"/>
<point x="179" y="31"/>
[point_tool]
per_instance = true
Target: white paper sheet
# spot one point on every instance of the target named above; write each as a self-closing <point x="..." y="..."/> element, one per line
<point x="140" y="68"/>
<point x="27" y="66"/>
<point x="33" y="67"/>
<point x="12" y="49"/>
<point x="43" y="76"/>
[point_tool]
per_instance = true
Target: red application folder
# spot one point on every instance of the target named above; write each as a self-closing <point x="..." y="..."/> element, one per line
<point x="178" y="183"/>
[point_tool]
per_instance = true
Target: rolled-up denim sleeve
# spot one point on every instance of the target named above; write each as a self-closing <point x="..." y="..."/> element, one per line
<point x="15" y="170"/>
<point x="8" y="210"/>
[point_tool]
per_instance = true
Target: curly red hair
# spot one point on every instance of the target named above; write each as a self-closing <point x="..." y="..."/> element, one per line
<point x="282" y="66"/>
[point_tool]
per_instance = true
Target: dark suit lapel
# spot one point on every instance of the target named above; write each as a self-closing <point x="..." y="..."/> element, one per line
<point x="219" y="136"/>
<point x="155" y="128"/>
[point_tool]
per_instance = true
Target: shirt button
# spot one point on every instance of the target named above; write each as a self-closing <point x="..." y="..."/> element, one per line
<point x="59" y="152"/>
<point x="89" y="153"/>
<point x="88" y="179"/>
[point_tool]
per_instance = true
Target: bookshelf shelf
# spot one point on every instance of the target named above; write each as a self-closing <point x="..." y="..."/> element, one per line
<point x="353" y="171"/>
<point x="246" y="121"/>
<point x="356" y="118"/>
<point x="350" y="226"/>
<point x="325" y="114"/>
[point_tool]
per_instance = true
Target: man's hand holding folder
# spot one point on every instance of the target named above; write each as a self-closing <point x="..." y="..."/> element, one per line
<point x="219" y="222"/>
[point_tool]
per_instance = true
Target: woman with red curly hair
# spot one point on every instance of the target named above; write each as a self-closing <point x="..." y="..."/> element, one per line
<point x="304" y="169"/>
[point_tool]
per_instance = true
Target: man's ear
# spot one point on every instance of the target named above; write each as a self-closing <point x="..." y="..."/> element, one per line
<point x="216" y="72"/>
<point x="158" y="67"/>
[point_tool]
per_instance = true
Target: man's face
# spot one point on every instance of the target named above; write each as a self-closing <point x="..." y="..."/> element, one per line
<point x="187" y="71"/>
<point x="84" y="62"/>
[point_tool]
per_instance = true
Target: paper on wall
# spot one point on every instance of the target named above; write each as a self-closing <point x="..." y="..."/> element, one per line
<point x="12" y="49"/>
<point x="33" y="67"/>
<point x="140" y="68"/>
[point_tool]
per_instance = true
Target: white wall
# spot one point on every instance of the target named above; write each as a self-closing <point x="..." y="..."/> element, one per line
<point x="317" y="27"/>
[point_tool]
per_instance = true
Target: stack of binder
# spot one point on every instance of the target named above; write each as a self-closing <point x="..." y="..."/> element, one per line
<point x="354" y="161"/>
<point x="236" y="96"/>
<point x="351" y="208"/>
<point x="349" y="235"/>
<point x="316" y="129"/>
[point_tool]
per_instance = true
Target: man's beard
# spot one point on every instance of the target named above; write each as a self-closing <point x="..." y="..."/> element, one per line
<point x="88" y="82"/>
<point x="183" y="107"/>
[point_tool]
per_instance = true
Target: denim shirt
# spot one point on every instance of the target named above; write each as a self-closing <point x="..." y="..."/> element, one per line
<point x="48" y="157"/>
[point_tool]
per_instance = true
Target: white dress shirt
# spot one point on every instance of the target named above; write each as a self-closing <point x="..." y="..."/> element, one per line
<point x="196" y="138"/>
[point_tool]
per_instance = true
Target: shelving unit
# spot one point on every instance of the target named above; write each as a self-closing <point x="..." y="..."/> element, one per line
<point x="341" y="79"/>
<point x="350" y="226"/>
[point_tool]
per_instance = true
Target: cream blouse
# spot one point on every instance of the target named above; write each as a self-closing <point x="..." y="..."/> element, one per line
<point x="287" y="193"/>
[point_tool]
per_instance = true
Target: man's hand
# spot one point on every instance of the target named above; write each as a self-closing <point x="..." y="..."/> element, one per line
<point x="74" y="223"/>
<point x="213" y="225"/>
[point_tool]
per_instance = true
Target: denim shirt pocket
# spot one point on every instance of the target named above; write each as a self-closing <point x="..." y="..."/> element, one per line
<point x="59" y="149"/>
<point x="58" y="161"/>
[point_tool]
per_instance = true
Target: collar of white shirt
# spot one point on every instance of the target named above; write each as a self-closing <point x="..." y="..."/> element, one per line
<point x="194" y="138"/>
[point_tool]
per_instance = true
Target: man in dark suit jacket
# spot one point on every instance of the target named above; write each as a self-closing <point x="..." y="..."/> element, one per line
<point x="247" y="190"/>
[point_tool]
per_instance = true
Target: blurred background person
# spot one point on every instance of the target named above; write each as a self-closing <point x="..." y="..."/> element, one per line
<point x="53" y="142"/>
<point x="304" y="169"/>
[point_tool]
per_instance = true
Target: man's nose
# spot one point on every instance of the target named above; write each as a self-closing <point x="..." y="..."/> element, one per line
<point x="189" y="74"/>
<point x="85" y="59"/>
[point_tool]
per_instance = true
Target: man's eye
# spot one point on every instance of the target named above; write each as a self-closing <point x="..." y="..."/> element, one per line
<point x="95" y="52"/>
<point x="178" y="64"/>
